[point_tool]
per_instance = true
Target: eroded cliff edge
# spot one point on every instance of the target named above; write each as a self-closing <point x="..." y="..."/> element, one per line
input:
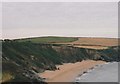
<point x="22" y="60"/>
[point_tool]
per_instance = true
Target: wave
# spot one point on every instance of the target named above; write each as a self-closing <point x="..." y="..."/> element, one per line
<point x="107" y="72"/>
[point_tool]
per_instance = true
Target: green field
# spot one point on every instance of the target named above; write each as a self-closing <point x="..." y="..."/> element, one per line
<point x="49" y="39"/>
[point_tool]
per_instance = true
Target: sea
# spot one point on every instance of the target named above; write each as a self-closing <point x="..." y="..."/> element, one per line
<point x="107" y="72"/>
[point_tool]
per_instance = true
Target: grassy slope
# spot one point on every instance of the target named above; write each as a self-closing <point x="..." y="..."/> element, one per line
<point x="26" y="55"/>
<point x="49" y="39"/>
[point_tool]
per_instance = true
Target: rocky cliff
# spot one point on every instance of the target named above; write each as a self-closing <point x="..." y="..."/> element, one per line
<point x="22" y="61"/>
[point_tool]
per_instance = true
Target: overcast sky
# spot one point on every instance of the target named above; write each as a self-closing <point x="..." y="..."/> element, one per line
<point x="30" y="19"/>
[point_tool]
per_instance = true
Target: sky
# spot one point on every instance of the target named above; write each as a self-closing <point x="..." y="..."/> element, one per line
<point x="76" y="19"/>
<point x="60" y="0"/>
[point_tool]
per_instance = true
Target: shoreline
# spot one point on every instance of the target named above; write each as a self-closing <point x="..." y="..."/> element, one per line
<point x="107" y="72"/>
<point x="69" y="71"/>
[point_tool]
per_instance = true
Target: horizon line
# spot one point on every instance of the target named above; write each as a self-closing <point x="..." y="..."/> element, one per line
<point x="60" y="36"/>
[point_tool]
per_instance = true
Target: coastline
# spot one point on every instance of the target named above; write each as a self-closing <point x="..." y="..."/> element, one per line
<point x="69" y="71"/>
<point x="107" y="72"/>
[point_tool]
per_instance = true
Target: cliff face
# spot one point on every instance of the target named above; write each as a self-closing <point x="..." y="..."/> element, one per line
<point x="23" y="60"/>
<point x="73" y="54"/>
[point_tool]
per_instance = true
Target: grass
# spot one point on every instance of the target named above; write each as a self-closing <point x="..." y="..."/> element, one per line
<point x="7" y="77"/>
<point x="49" y="39"/>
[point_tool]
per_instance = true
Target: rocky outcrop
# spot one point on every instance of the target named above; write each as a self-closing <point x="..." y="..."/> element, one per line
<point x="73" y="54"/>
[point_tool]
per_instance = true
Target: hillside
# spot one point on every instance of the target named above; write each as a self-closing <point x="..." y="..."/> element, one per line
<point x="49" y="39"/>
<point x="82" y="42"/>
<point x="22" y="61"/>
<point x="93" y="43"/>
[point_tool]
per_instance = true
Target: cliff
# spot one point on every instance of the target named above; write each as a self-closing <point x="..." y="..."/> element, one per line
<point x="22" y="61"/>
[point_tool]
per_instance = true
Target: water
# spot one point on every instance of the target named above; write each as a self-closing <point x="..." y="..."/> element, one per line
<point x="102" y="73"/>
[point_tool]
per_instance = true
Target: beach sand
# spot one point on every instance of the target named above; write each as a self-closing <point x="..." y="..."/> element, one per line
<point x="69" y="71"/>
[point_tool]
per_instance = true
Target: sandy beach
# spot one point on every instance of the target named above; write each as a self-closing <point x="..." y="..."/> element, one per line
<point x="69" y="71"/>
